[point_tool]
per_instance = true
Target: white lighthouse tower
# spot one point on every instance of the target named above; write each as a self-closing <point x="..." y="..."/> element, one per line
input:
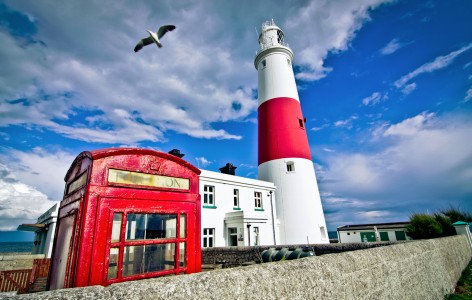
<point x="284" y="154"/>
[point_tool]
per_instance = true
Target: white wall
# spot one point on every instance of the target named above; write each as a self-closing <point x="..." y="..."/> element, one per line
<point x="223" y="215"/>
<point x="354" y="236"/>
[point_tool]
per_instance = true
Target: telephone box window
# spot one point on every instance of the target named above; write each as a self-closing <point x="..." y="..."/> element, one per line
<point x="148" y="258"/>
<point x="183" y="228"/>
<point x="116" y="229"/>
<point x="77" y="183"/>
<point x="113" y="263"/>
<point x="150" y="226"/>
<point x="149" y="244"/>
<point x="182" y="255"/>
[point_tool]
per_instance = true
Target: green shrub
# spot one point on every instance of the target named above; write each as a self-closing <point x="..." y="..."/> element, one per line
<point x="445" y="223"/>
<point x="423" y="226"/>
<point x="455" y="214"/>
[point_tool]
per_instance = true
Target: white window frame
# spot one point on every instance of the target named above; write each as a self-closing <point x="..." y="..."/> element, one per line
<point x="208" y="237"/>
<point x="209" y="195"/>
<point x="236" y="199"/>
<point x="258" y="201"/>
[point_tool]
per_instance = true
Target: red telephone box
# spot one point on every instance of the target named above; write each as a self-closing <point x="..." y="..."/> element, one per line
<point x="127" y="214"/>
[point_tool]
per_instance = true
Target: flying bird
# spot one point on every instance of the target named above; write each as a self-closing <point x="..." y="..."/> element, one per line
<point x="154" y="37"/>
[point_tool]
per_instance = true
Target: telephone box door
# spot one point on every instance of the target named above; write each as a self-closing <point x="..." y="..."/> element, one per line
<point x="146" y="239"/>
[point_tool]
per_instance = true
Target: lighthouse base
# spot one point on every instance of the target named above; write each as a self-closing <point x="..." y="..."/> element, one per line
<point x="298" y="201"/>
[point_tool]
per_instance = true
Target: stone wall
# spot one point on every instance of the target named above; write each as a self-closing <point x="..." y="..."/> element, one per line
<point x="425" y="269"/>
<point x="15" y="261"/>
<point x="229" y="257"/>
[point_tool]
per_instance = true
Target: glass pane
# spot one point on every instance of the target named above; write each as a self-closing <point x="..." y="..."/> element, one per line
<point x="183" y="226"/>
<point x="133" y="260"/>
<point x="182" y="255"/>
<point x="77" y="183"/>
<point x="116" y="229"/>
<point x="113" y="263"/>
<point x="148" y="258"/>
<point x="150" y="226"/>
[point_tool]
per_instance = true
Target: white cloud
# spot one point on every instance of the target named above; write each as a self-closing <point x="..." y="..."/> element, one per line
<point x="438" y="63"/>
<point x="410" y="126"/>
<point x="409" y="88"/>
<point x="202" y="162"/>
<point x="468" y="95"/>
<point x="391" y="47"/>
<point x="188" y="86"/>
<point x="320" y="128"/>
<point x="328" y="26"/>
<point x="347" y="123"/>
<point x="19" y="203"/>
<point x="419" y="163"/>
<point x="42" y="170"/>
<point x="373" y="99"/>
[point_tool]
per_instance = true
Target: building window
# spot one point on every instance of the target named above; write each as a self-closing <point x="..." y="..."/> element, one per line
<point x="400" y="235"/>
<point x="264" y="63"/>
<point x="236" y="199"/>
<point x="300" y="123"/>
<point x="256" y="236"/>
<point x="323" y="232"/>
<point x="258" y="200"/>
<point x="208" y="237"/>
<point x="290" y="166"/>
<point x="208" y="195"/>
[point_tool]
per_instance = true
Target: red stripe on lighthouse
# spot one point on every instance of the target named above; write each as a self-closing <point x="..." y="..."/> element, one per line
<point x="280" y="133"/>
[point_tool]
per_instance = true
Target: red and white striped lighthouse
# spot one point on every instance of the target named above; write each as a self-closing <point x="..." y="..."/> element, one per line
<point x="284" y="153"/>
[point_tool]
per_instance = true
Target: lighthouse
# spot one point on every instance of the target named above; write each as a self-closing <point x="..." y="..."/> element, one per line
<point x="284" y="156"/>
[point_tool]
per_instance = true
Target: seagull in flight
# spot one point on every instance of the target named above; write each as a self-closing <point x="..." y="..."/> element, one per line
<point x="154" y="37"/>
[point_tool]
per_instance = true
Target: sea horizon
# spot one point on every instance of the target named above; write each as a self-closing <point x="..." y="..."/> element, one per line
<point x="16" y="247"/>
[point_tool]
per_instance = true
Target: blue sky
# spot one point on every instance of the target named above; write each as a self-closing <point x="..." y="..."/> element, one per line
<point x="386" y="87"/>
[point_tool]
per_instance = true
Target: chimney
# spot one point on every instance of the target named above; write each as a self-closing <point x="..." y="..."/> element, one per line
<point x="228" y="169"/>
<point x="176" y="152"/>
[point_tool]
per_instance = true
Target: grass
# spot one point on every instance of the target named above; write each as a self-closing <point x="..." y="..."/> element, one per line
<point x="464" y="286"/>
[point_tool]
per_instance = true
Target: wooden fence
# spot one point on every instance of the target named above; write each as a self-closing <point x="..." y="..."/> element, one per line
<point x="14" y="280"/>
<point x="28" y="280"/>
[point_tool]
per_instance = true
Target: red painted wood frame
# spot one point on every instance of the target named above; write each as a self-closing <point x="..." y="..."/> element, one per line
<point x="92" y="198"/>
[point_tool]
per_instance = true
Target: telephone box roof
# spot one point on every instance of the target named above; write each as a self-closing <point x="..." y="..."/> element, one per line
<point x="101" y="153"/>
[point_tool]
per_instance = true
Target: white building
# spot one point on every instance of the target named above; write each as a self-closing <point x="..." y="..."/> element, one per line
<point x="237" y="211"/>
<point x="381" y="232"/>
<point x="44" y="230"/>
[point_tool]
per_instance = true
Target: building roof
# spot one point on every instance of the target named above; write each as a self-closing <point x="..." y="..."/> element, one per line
<point x="206" y="175"/>
<point x="31" y="227"/>
<point x="371" y="226"/>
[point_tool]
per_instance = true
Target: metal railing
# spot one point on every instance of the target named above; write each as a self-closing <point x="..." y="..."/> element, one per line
<point x="265" y="42"/>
